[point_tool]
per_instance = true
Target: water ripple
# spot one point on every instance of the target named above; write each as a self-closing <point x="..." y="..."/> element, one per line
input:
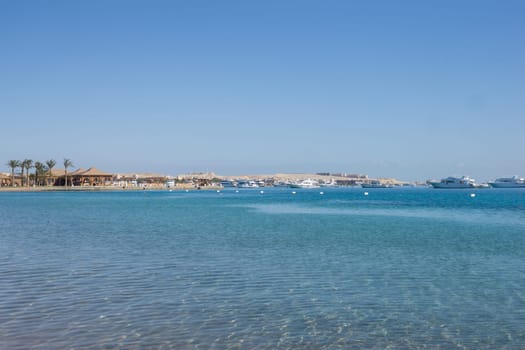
<point x="128" y="271"/>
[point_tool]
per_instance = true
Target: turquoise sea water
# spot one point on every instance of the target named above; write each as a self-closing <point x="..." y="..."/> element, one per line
<point x="397" y="269"/>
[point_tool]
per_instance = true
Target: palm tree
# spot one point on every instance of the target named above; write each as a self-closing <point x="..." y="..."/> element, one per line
<point x="27" y="164"/>
<point x="67" y="163"/>
<point x="40" y="169"/>
<point x="13" y="164"/>
<point x="22" y="168"/>
<point x="50" y="165"/>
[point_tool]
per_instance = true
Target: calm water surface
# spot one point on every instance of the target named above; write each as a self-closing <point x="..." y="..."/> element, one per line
<point x="397" y="269"/>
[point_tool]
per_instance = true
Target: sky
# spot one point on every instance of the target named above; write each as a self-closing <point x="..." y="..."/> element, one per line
<point x="407" y="89"/>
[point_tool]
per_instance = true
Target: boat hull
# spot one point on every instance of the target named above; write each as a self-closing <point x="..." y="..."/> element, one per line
<point x="304" y="186"/>
<point x="442" y="185"/>
<point x="454" y="182"/>
<point x="375" y="186"/>
<point x="506" y="185"/>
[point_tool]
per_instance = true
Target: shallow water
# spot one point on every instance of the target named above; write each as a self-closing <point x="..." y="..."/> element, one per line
<point x="397" y="269"/>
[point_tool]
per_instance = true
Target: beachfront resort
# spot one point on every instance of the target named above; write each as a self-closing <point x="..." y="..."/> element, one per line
<point x="26" y="174"/>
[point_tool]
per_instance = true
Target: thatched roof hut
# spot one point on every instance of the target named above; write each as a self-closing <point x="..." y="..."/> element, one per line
<point x="90" y="177"/>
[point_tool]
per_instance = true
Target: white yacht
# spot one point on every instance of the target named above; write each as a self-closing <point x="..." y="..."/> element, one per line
<point x="308" y="183"/>
<point x="454" y="182"/>
<point x="247" y="184"/>
<point x="508" y="182"/>
<point x="331" y="183"/>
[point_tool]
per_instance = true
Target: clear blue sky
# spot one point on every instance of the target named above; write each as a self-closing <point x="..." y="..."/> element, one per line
<point x="405" y="89"/>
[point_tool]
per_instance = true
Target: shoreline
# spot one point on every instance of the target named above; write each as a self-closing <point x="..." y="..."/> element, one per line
<point x="104" y="189"/>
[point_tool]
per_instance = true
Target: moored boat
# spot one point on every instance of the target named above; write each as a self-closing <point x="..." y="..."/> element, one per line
<point x="308" y="183"/>
<point x="331" y="183"/>
<point x="454" y="182"/>
<point x="508" y="182"/>
<point x="375" y="184"/>
<point x="247" y="184"/>
<point x="228" y="183"/>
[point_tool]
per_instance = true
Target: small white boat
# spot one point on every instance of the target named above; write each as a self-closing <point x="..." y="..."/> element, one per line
<point x="308" y="183"/>
<point x="455" y="182"/>
<point x="508" y="182"/>
<point x="331" y="183"/>
<point x="247" y="184"/>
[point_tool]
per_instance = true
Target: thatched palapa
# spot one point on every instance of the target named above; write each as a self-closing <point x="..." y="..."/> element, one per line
<point x="90" y="177"/>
